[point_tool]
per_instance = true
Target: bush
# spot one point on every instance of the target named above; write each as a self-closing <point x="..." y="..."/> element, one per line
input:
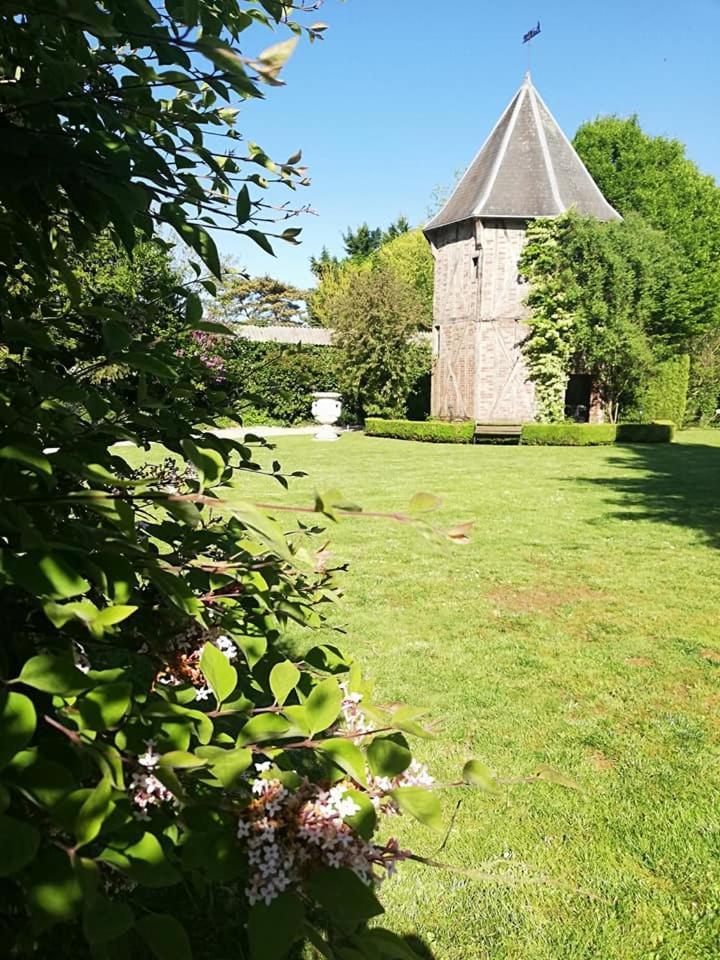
<point x="568" y="434"/>
<point x="596" y="434"/>
<point x="664" y="395"/>
<point x="429" y="431"/>
<point x="275" y="381"/>
<point x="660" y="431"/>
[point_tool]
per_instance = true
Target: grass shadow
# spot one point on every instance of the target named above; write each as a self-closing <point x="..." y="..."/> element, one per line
<point x="675" y="484"/>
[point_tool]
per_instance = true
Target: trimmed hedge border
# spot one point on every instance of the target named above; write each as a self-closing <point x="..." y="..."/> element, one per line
<point x="428" y="431"/>
<point x="659" y="431"/>
<point x="568" y="434"/>
<point x="596" y="434"/>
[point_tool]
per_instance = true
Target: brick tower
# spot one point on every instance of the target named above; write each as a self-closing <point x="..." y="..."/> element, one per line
<point x="527" y="168"/>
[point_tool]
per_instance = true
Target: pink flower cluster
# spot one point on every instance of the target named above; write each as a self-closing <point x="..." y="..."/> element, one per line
<point x="206" y="342"/>
<point x="145" y="789"/>
<point x="290" y="834"/>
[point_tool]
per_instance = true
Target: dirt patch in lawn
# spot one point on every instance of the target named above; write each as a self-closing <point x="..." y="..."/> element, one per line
<point x="639" y="662"/>
<point x="712" y="655"/>
<point x="542" y="600"/>
<point x="601" y="762"/>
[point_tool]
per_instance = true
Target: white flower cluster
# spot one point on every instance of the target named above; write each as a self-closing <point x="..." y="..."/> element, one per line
<point x="145" y="788"/>
<point x="355" y="721"/>
<point x="226" y="646"/>
<point x="291" y="833"/>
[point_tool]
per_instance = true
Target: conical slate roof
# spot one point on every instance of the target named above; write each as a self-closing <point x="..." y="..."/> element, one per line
<point x="526" y="168"/>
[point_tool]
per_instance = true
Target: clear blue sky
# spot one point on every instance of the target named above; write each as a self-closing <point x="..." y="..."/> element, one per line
<point x="402" y="93"/>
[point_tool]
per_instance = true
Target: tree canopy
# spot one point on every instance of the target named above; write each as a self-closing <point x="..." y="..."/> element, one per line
<point x="652" y="176"/>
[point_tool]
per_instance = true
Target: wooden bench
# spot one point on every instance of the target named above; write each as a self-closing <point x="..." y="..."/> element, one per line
<point x="498" y="429"/>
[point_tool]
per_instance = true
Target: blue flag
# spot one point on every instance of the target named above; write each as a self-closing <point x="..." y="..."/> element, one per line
<point x="532" y="33"/>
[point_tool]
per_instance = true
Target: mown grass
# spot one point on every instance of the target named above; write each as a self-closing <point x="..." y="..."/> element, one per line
<point x="579" y="628"/>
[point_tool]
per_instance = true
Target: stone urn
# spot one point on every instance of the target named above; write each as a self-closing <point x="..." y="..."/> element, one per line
<point x="326" y="409"/>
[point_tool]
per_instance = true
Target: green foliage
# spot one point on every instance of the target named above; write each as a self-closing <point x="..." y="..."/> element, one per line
<point x="568" y="434"/>
<point x="595" y="434"/>
<point x="429" y="431"/>
<point x="407" y="256"/>
<point x="651" y="176"/>
<point x="704" y="388"/>
<point x="145" y="722"/>
<point x="663" y="396"/>
<point x="261" y="301"/>
<point x="275" y="382"/>
<point x="606" y="298"/>
<point x="660" y="431"/>
<point x="375" y="322"/>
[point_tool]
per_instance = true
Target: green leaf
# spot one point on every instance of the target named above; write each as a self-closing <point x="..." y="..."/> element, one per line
<point x="478" y="774"/>
<point x="147" y="363"/>
<point x="284" y="677"/>
<point x="218" y="671"/>
<point x="116" y="335"/>
<point x="344" y="896"/>
<point x="424" y="503"/>
<point x="193" y="309"/>
<point x="19" y="842"/>
<point x="54" y="894"/>
<point x="243" y="206"/>
<point x="165" y="936"/>
<point x="208" y="463"/>
<point x="27" y="455"/>
<point x="274" y="928"/>
<point x="106" y="920"/>
<point x="181" y="760"/>
<point x="145" y="862"/>
<point x="387" y="758"/>
<point x="347" y="756"/>
<point x="17" y="724"/>
<point x="230" y="768"/>
<point x="105" y="705"/>
<point x="322" y="707"/>
<point x="50" y="575"/>
<point x="364" y="822"/>
<point x="551" y="775"/>
<point x="54" y="674"/>
<point x="261" y="240"/>
<point x="420" y="804"/>
<point x="263" y="727"/>
<point x="93" y="813"/>
<point x="203" y="244"/>
<point x="254" y="648"/>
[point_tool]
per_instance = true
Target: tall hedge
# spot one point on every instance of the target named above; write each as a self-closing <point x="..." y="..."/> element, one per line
<point x="664" y="395"/>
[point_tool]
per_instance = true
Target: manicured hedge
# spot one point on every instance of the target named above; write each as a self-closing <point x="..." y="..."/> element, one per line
<point x="568" y="434"/>
<point x="596" y="434"/>
<point x="429" y="431"/>
<point x="661" y="431"/>
<point x="664" y="396"/>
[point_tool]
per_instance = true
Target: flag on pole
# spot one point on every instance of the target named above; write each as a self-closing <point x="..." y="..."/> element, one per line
<point x="532" y="33"/>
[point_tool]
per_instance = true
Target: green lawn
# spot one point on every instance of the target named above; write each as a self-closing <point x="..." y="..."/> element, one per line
<point x="578" y="629"/>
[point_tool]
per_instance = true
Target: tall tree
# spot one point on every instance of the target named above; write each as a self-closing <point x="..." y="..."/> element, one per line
<point x="653" y="177"/>
<point x="261" y="301"/>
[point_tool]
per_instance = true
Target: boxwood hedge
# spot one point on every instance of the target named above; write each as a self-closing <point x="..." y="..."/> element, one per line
<point x="568" y="434"/>
<point x="596" y="434"/>
<point x="430" y="431"/>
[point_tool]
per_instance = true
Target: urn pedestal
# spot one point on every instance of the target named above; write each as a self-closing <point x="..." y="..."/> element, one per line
<point x="326" y="409"/>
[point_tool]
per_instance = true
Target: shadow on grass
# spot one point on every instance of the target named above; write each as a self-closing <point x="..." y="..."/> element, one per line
<point x="419" y="947"/>
<point x="675" y="484"/>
